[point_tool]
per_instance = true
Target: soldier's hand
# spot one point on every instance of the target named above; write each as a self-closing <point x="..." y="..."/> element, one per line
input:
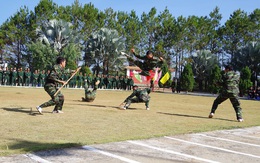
<point x="132" y="50"/>
<point x="161" y="58"/>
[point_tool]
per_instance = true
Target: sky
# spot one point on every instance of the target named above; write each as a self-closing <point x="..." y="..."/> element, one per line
<point x="176" y="7"/>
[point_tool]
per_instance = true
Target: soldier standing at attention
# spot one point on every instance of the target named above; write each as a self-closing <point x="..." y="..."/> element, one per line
<point x="6" y="76"/>
<point x="20" y="76"/>
<point x="27" y="77"/>
<point x="50" y="86"/>
<point x="230" y="81"/>
<point x="35" y="77"/>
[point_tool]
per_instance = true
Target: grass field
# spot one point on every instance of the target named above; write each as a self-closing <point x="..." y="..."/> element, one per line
<point x="23" y="130"/>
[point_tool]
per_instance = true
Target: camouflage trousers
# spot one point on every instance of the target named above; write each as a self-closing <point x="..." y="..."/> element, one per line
<point x="137" y="100"/>
<point x="233" y="99"/>
<point x="57" y="100"/>
<point x="90" y="95"/>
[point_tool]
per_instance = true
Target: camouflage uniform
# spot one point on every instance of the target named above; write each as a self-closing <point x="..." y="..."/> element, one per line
<point x="138" y="96"/>
<point x="90" y="95"/>
<point x="147" y="64"/>
<point x="229" y="83"/>
<point x="50" y="87"/>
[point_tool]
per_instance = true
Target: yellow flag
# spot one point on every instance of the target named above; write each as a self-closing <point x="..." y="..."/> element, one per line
<point x="165" y="78"/>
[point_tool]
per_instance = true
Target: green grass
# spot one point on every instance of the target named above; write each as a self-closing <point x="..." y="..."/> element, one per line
<point x="24" y="130"/>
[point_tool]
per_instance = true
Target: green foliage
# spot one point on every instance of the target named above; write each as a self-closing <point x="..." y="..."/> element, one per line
<point x="187" y="78"/>
<point x="104" y="47"/>
<point x="43" y="56"/>
<point x="245" y="80"/>
<point x="85" y="70"/>
<point x="215" y="77"/>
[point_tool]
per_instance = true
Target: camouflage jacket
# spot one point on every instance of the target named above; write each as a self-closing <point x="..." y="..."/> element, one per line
<point x="230" y="81"/>
<point x="149" y="63"/>
<point x="55" y="74"/>
<point x="141" y="94"/>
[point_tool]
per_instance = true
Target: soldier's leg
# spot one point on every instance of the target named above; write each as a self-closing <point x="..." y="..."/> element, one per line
<point x="59" y="102"/>
<point x="236" y="105"/>
<point x="221" y="98"/>
<point x="133" y="100"/>
<point x="147" y="105"/>
<point x="51" y="90"/>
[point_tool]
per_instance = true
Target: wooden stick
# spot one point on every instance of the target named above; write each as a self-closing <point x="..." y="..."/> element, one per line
<point x="67" y="81"/>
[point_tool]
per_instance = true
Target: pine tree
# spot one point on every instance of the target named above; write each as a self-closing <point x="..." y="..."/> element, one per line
<point x="245" y="82"/>
<point x="187" y="78"/>
<point x="215" y="76"/>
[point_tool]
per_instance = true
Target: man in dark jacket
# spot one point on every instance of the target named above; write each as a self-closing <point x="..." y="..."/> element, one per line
<point x="229" y="83"/>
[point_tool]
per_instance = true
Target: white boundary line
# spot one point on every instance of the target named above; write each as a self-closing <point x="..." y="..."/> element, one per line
<point x="172" y="152"/>
<point x="36" y="158"/>
<point x="246" y="136"/>
<point x="108" y="154"/>
<point x="234" y="141"/>
<point x="208" y="146"/>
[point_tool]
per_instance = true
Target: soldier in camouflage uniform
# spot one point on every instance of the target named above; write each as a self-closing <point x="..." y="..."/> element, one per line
<point x="229" y="83"/>
<point x="138" y="96"/>
<point x="149" y="62"/>
<point x="90" y="95"/>
<point x="50" y="86"/>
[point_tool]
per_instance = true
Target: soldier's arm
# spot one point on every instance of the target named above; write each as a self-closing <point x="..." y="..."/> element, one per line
<point x="131" y="96"/>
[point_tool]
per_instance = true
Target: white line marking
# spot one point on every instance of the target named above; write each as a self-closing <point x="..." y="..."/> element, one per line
<point x="208" y="146"/>
<point x="109" y="154"/>
<point x="172" y="152"/>
<point x="36" y="158"/>
<point x="246" y="136"/>
<point x="234" y="141"/>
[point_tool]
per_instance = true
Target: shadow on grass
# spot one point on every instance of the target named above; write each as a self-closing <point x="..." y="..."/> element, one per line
<point x="31" y="146"/>
<point x="102" y="106"/>
<point x="28" y="111"/>
<point x="193" y="116"/>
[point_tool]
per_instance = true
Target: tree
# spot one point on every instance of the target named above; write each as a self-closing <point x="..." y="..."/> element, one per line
<point x="215" y="76"/>
<point x="248" y="56"/>
<point x="187" y="78"/>
<point x="104" y="47"/>
<point x="245" y="80"/>
<point x="202" y="63"/>
<point x="61" y="38"/>
<point x="236" y="32"/>
<point x="15" y="33"/>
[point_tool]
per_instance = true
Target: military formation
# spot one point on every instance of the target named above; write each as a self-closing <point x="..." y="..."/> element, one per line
<point x="27" y="78"/>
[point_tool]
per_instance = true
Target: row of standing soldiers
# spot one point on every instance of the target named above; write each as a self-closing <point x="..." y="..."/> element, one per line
<point x="106" y="81"/>
<point x="13" y="77"/>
